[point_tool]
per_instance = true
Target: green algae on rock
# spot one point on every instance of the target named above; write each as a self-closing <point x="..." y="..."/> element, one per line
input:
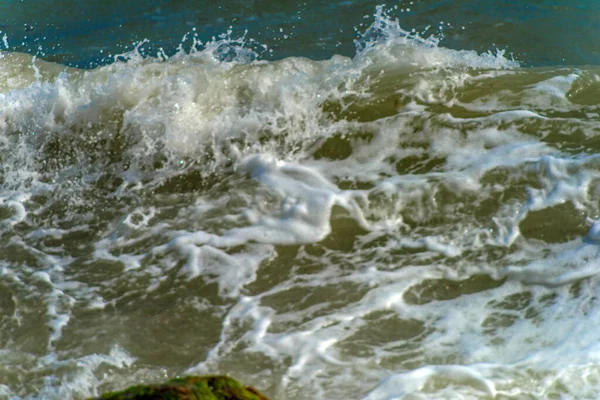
<point x="189" y="388"/>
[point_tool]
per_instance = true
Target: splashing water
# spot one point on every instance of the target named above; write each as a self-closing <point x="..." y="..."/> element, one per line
<point x="410" y="222"/>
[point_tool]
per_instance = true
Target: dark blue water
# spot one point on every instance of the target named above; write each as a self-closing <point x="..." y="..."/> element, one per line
<point x="86" y="33"/>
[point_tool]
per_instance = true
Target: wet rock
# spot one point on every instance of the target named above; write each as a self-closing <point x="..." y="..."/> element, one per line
<point x="189" y="388"/>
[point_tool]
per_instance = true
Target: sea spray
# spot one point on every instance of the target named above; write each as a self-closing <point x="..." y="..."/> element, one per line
<point x="409" y="221"/>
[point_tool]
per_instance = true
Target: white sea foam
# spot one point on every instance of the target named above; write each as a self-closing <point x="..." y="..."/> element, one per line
<point x="400" y="224"/>
<point x="408" y="385"/>
<point x="83" y="380"/>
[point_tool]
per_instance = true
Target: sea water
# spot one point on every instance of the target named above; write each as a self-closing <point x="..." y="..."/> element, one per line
<point x="341" y="200"/>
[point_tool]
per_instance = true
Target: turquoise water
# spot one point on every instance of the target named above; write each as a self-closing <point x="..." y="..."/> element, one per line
<point x="83" y="33"/>
<point x="325" y="200"/>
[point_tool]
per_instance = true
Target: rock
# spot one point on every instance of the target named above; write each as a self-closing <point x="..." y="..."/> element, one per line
<point x="189" y="388"/>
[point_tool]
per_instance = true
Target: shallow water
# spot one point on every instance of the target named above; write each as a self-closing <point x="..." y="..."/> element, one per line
<point x="362" y="208"/>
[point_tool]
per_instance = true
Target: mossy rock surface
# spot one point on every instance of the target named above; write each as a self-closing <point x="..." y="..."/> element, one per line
<point x="189" y="388"/>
